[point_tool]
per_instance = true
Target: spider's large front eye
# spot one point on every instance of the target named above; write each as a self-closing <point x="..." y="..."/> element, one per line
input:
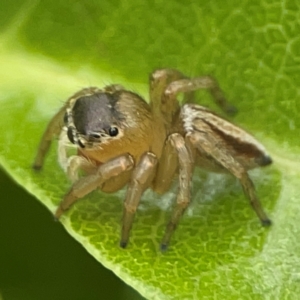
<point x="113" y="131"/>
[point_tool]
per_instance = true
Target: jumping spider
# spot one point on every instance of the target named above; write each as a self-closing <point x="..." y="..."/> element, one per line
<point x="122" y="140"/>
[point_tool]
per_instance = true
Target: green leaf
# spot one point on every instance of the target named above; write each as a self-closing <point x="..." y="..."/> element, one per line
<point x="49" y="50"/>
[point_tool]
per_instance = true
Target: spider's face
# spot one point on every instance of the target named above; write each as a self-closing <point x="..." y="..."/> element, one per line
<point x="93" y="119"/>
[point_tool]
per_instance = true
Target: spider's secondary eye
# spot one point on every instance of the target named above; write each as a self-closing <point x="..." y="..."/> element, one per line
<point x="80" y="143"/>
<point x="113" y="131"/>
<point x="70" y="135"/>
<point x="66" y="118"/>
<point x="95" y="135"/>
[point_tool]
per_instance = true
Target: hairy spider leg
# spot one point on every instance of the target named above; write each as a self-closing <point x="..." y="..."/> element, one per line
<point x="141" y="178"/>
<point x="207" y="143"/>
<point x="87" y="184"/>
<point x="185" y="162"/>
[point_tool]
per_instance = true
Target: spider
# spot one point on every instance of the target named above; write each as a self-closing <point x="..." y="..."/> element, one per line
<point x="121" y="139"/>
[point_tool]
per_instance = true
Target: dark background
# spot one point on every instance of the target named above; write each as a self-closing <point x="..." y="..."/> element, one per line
<point x="39" y="260"/>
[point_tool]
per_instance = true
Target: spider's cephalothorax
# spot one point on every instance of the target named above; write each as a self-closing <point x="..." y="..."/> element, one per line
<point x="123" y="140"/>
<point x="92" y="119"/>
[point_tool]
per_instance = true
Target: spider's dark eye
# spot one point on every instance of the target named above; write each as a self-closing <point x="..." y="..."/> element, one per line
<point x="113" y="131"/>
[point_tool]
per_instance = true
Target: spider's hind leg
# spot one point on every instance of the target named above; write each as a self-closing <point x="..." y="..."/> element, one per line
<point x="188" y="85"/>
<point x="204" y="141"/>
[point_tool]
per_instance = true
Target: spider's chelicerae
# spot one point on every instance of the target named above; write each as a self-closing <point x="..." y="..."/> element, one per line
<point x="123" y="140"/>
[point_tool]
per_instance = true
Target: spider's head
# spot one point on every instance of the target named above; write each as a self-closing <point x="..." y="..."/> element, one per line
<point x="93" y="118"/>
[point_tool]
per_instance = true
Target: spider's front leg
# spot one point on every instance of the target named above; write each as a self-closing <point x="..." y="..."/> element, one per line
<point x="142" y="177"/>
<point x="53" y="129"/>
<point x="87" y="184"/>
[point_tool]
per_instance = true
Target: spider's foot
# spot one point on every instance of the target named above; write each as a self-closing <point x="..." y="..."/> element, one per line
<point x="163" y="247"/>
<point x="266" y="222"/>
<point x="36" y="167"/>
<point x="265" y="160"/>
<point x="58" y="213"/>
<point x="123" y="244"/>
<point x="231" y="110"/>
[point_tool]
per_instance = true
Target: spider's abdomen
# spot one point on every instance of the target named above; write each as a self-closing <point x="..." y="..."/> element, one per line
<point x="232" y="139"/>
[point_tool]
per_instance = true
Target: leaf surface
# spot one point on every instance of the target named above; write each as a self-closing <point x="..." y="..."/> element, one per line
<point x="49" y="50"/>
